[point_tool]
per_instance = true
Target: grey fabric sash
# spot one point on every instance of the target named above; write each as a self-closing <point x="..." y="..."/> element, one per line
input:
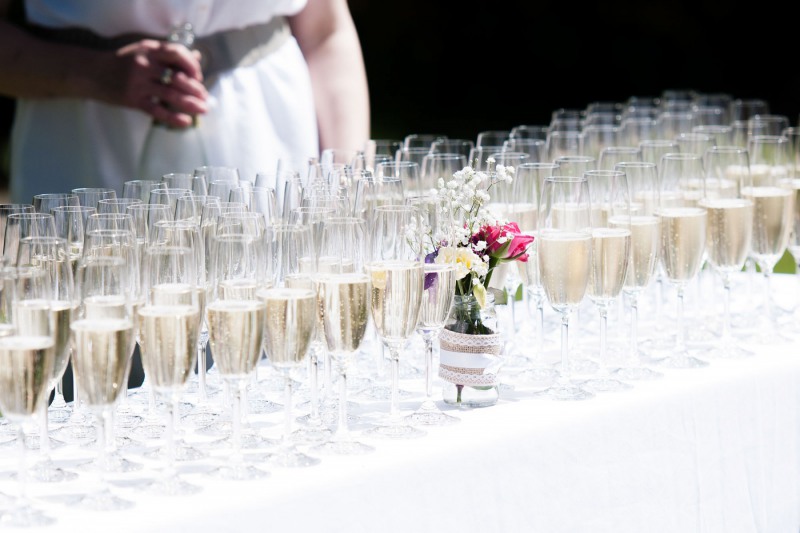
<point x="220" y="51"/>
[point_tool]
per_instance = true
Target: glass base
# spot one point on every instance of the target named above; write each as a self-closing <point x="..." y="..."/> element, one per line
<point x="606" y="384"/>
<point x="58" y="415"/>
<point x="183" y="452"/>
<point x="200" y="418"/>
<point x="536" y="378"/>
<point x="47" y="472"/>
<point x="467" y="396"/>
<point x="114" y="462"/>
<point x="23" y="515"/>
<point x="292" y="458"/>
<point x="431" y="416"/>
<point x="75" y="434"/>
<point x="342" y="447"/>
<point x="568" y="392"/>
<point x="637" y="373"/>
<point x="728" y="352"/>
<point x="127" y="421"/>
<point x="682" y="361"/>
<point x="240" y="472"/>
<point x="311" y="434"/>
<point x="262" y="406"/>
<point x="396" y="430"/>
<point x="148" y="431"/>
<point x="173" y="486"/>
<point x="104" y="500"/>
<point x="381" y="392"/>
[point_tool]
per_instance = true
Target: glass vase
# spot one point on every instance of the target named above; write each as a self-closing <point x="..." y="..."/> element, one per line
<point x="470" y="353"/>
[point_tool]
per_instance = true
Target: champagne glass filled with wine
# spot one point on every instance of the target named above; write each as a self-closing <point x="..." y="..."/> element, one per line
<point x="50" y="254"/>
<point x="729" y="230"/>
<point x="683" y="239"/>
<point x="167" y="327"/>
<point x="26" y="367"/>
<point x="235" y="317"/>
<point x="611" y="245"/>
<point x="565" y="259"/>
<point x="397" y="285"/>
<point x="773" y="212"/>
<point x="103" y="337"/>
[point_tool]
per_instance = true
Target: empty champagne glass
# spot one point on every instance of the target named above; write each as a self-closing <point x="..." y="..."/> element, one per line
<point x="43" y="203"/>
<point x="89" y="196"/>
<point x="565" y="255"/>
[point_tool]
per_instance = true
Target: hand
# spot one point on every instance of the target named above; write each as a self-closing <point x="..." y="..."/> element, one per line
<point x="135" y="78"/>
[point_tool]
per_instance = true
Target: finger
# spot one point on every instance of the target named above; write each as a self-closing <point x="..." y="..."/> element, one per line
<point x="183" y="83"/>
<point x="181" y="101"/>
<point x="154" y="107"/>
<point x="178" y="57"/>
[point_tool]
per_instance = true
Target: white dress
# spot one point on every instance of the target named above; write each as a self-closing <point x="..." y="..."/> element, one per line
<point x="258" y="114"/>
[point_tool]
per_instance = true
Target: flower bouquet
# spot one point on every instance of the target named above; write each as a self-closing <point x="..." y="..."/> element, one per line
<point x="471" y="345"/>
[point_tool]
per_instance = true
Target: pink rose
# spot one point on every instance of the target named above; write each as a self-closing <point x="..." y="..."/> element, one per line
<point x="505" y="243"/>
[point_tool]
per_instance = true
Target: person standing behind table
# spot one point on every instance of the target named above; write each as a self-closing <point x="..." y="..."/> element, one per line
<point x="270" y="80"/>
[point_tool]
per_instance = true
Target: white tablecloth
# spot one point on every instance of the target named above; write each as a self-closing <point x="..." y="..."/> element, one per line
<point x="705" y="450"/>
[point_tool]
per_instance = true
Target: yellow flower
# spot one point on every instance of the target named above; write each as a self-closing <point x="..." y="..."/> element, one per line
<point x="479" y="291"/>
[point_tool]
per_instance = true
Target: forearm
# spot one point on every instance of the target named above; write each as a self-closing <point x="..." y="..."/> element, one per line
<point x="33" y="68"/>
<point x="329" y="41"/>
<point x="340" y="92"/>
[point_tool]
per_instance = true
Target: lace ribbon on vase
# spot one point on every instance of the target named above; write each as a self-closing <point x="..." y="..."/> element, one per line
<point x="472" y="360"/>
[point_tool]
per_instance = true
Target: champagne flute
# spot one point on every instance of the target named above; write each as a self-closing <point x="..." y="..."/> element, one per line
<point x="565" y="239"/>
<point x="345" y="310"/>
<point x="683" y="236"/>
<point x="50" y="254"/>
<point x="45" y="202"/>
<point x="397" y="281"/>
<point x="644" y="226"/>
<point x="21" y="225"/>
<point x="167" y="326"/>
<point x="610" y="259"/>
<point x="235" y="317"/>
<point x="26" y="366"/>
<point x="729" y="232"/>
<point x="437" y="299"/>
<point x="291" y="317"/>
<point x="141" y="188"/>
<point x="89" y="196"/>
<point x="5" y="211"/>
<point x="103" y="336"/>
<point x="773" y="209"/>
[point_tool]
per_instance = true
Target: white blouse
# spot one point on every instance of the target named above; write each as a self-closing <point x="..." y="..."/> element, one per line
<point x="258" y="115"/>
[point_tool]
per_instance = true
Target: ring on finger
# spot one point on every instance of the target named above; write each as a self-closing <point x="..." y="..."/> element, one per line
<point x="166" y="76"/>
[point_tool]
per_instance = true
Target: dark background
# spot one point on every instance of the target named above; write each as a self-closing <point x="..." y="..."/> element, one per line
<point x="461" y="67"/>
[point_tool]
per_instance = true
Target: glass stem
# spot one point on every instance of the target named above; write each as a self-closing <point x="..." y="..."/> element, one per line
<point x="564" y="375"/>
<point x="236" y="457"/>
<point x="768" y="299"/>
<point x="22" y="474"/>
<point x="659" y="303"/>
<point x="287" y="420"/>
<point x="44" y="435"/>
<point x="202" y="391"/>
<point x="634" y="355"/>
<point x="394" y="413"/>
<point x="428" y="403"/>
<point x="314" y="382"/>
<point x="603" y="370"/>
<point x="540" y="310"/>
<point x="342" y="431"/>
<point x="681" y="339"/>
<point x="58" y="401"/>
<point x="172" y="404"/>
<point x="727" y="338"/>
